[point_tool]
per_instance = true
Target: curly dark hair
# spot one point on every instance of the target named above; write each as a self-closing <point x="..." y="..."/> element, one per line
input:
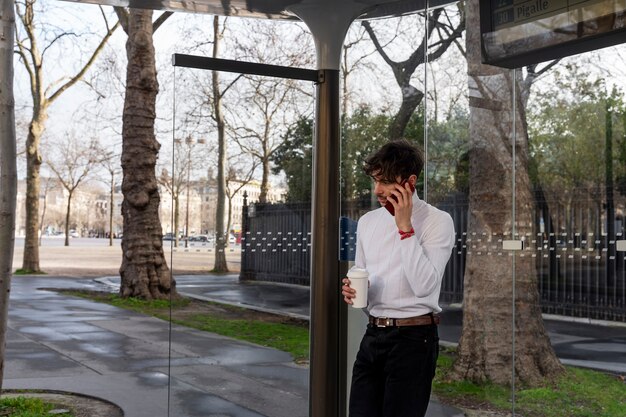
<point x="398" y="158"/>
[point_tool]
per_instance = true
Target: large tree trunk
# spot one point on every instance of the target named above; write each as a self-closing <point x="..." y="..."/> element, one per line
<point x="144" y="272"/>
<point x="221" y="235"/>
<point x="8" y="167"/>
<point x="487" y="346"/>
<point x="411" y="98"/>
<point x="30" y="261"/>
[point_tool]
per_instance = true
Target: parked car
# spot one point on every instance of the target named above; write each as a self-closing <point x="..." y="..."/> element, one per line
<point x="168" y="236"/>
<point x="199" y="238"/>
<point x="74" y="233"/>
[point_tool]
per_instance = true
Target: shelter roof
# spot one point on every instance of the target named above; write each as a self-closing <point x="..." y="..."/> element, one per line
<point x="274" y="9"/>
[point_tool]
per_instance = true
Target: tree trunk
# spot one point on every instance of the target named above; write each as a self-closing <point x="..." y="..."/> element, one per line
<point x="230" y="216"/>
<point x="610" y="203"/>
<point x="411" y="98"/>
<point x="265" y="180"/>
<point x="8" y="168"/>
<point x="30" y="262"/>
<point x="176" y="219"/>
<point x="111" y="207"/>
<point x="67" y="218"/>
<point x="144" y="272"/>
<point x="42" y="219"/>
<point x="220" y="234"/>
<point x="487" y="347"/>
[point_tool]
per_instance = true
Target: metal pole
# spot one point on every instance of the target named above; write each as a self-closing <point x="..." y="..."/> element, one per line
<point x="326" y="392"/>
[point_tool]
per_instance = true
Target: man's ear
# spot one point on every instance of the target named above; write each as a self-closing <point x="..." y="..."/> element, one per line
<point x="413" y="180"/>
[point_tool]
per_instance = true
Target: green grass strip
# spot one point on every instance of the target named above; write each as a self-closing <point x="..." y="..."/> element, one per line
<point x="577" y="393"/>
<point x="285" y="337"/>
<point x="27" y="407"/>
<point x="28" y="272"/>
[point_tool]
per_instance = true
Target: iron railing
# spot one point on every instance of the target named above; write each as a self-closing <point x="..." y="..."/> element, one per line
<point x="579" y="271"/>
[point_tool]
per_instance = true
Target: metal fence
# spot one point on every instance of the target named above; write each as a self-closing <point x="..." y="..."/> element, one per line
<point x="579" y="271"/>
<point x="275" y="243"/>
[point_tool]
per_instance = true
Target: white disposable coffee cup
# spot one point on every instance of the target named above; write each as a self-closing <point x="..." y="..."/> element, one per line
<point x="358" y="281"/>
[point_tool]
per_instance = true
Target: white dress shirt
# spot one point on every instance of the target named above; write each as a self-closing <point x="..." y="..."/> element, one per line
<point x="405" y="275"/>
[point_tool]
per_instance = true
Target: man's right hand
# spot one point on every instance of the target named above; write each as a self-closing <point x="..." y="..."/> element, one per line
<point x="347" y="292"/>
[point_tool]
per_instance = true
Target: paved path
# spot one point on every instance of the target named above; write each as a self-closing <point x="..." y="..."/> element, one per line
<point x="60" y="342"/>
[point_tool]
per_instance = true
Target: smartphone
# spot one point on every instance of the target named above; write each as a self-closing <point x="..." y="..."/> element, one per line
<point x="388" y="204"/>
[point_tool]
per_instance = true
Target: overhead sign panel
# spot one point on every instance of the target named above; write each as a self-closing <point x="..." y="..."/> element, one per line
<point x="521" y="32"/>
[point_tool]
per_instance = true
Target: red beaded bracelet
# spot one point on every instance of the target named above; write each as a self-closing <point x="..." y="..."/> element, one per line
<point x="405" y="235"/>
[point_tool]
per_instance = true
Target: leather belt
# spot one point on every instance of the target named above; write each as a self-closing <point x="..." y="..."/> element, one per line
<point x="424" y="320"/>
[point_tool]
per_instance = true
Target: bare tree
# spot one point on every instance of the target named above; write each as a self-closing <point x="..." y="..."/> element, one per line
<point x="448" y="29"/>
<point x="109" y="161"/>
<point x="491" y="348"/>
<point x="174" y="184"/>
<point x="71" y="160"/>
<point x="33" y="57"/>
<point x="144" y="271"/>
<point x="42" y="220"/>
<point x="8" y="168"/>
<point x="269" y="99"/>
<point x="235" y="181"/>
<point x="220" y="264"/>
<point x="187" y="155"/>
<point x="271" y="104"/>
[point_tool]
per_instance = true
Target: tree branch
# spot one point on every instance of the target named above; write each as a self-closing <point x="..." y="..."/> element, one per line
<point x="377" y="45"/>
<point x="456" y="33"/>
<point x="59" y="36"/>
<point x="26" y="17"/>
<point x="122" y="17"/>
<point x="160" y="20"/>
<point x="91" y="60"/>
<point x="230" y="85"/>
<point x="31" y="74"/>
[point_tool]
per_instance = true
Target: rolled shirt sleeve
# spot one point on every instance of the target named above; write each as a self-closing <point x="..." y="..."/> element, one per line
<point x="424" y="259"/>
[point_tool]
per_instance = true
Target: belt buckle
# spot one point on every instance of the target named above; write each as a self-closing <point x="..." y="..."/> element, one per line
<point x="384" y="322"/>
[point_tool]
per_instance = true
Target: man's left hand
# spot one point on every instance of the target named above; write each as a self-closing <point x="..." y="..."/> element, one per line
<point x="403" y="207"/>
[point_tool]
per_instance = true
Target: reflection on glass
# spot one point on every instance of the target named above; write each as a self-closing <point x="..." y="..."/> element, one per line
<point x="239" y="333"/>
<point x="524" y="26"/>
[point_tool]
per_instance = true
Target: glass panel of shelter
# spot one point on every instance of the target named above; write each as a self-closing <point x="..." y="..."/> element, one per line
<point x="529" y="190"/>
<point x="575" y="119"/>
<point x="259" y="293"/>
<point x="440" y="125"/>
<point x="467" y="178"/>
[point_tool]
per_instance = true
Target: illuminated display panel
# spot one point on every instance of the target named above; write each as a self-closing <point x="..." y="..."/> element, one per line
<point x="521" y="32"/>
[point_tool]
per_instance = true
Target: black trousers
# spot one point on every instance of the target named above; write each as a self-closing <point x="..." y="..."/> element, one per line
<point x="393" y="371"/>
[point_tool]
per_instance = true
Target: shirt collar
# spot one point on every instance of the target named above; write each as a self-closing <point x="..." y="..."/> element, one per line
<point x="417" y="202"/>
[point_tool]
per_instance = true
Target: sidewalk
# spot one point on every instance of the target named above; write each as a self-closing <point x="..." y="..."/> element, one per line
<point x="59" y="342"/>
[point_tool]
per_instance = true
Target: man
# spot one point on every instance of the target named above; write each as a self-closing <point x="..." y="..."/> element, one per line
<point x="405" y="255"/>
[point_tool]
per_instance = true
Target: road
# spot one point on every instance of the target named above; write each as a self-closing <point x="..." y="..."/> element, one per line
<point x="92" y="257"/>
